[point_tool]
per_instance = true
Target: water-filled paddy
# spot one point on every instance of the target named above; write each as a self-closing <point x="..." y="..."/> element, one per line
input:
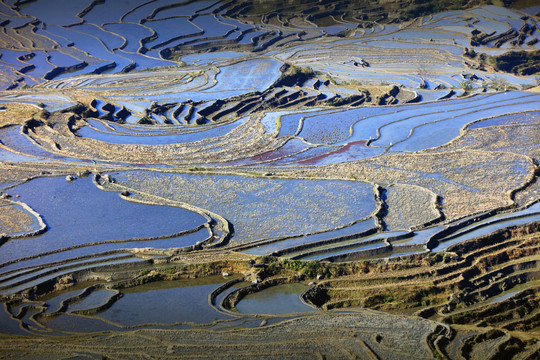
<point x="179" y="301"/>
<point x="10" y="57"/>
<point x="78" y="213"/>
<point x="8" y="325"/>
<point x="12" y="276"/>
<point x="293" y="146"/>
<point x="276" y="300"/>
<point x="155" y="139"/>
<point x="15" y="286"/>
<point x="47" y="11"/>
<point x="92" y="301"/>
<point x="353" y="151"/>
<point x="334" y="129"/>
<point x="396" y="124"/>
<point x="71" y="256"/>
<point x="184" y="10"/>
<point x="352" y="242"/>
<point x="42" y="66"/>
<point x="59" y="59"/>
<point x="484" y="230"/>
<point x="357" y="228"/>
<point x="51" y="102"/>
<point x="347" y="251"/>
<point x="299" y="158"/>
<point x="84" y="42"/>
<point x="169" y="29"/>
<point x="264" y="208"/>
<point x="143" y="62"/>
<point x="132" y="33"/>
<point x="513" y="119"/>
<point x="111" y="40"/>
<point x="7" y="155"/>
<point x="208" y="58"/>
<point x="142" y="9"/>
<point x="513" y="291"/>
<point x="54" y="302"/>
<point x="212" y="26"/>
<point x="422" y="236"/>
<point x="435" y="134"/>
<point x="251" y="74"/>
<point x="158" y="303"/>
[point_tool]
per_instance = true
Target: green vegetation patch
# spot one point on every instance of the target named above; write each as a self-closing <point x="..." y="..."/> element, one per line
<point x="295" y="75"/>
<point x="427" y="7"/>
<point x="14" y="113"/>
<point x="517" y="62"/>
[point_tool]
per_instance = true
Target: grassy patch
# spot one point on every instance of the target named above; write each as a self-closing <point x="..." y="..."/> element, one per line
<point x="16" y="113"/>
<point x="419" y="8"/>
<point x="180" y="65"/>
<point x="517" y="62"/>
<point x="295" y="75"/>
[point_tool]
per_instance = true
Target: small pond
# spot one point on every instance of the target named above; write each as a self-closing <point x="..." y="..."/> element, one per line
<point x="276" y="300"/>
<point x="155" y="304"/>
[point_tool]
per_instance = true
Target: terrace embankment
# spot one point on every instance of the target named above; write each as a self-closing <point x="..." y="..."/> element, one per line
<point x="151" y="267"/>
<point x="456" y="176"/>
<point x="62" y="140"/>
<point x="296" y="88"/>
<point x="332" y="336"/>
<point x="452" y="286"/>
<point x="15" y="113"/>
<point x="461" y="286"/>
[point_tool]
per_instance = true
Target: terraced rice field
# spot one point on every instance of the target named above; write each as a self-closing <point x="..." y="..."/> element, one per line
<point x="310" y="179"/>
